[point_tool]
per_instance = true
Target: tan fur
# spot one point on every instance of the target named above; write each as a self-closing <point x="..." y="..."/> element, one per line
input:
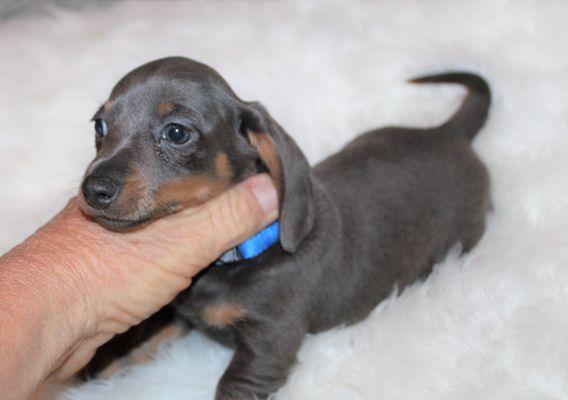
<point x="266" y="147"/>
<point x="195" y="190"/>
<point x="185" y="192"/>
<point x="133" y="188"/>
<point x="165" y="108"/>
<point x="221" y="315"/>
<point x="190" y="192"/>
<point x="223" y="167"/>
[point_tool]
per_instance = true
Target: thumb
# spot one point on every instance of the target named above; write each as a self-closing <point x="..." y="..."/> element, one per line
<point x="207" y="231"/>
<point x="240" y="212"/>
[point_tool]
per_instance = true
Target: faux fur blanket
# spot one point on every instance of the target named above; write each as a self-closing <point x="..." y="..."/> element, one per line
<point x="490" y="325"/>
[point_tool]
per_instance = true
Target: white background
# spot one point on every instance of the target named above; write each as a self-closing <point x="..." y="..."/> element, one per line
<point x="491" y="325"/>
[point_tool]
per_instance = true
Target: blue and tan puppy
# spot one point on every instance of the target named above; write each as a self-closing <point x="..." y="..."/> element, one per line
<point x="378" y="213"/>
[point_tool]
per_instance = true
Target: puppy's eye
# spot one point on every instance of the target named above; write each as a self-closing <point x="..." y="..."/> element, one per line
<point x="176" y="134"/>
<point x="100" y="128"/>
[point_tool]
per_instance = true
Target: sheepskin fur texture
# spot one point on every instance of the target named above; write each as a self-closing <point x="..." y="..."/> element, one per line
<point x="488" y="325"/>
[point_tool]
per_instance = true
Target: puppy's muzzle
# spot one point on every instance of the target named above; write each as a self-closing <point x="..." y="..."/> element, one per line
<point x="99" y="191"/>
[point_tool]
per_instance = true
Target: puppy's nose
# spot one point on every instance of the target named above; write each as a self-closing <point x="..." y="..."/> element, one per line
<point x="99" y="192"/>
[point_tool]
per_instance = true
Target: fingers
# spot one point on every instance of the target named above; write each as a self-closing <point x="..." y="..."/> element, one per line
<point x="241" y="212"/>
<point x="198" y="236"/>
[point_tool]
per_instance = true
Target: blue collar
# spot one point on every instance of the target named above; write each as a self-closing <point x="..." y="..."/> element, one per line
<point x="253" y="246"/>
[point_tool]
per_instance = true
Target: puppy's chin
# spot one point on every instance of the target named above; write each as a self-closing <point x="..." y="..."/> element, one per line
<point x="118" y="222"/>
<point x="119" y="225"/>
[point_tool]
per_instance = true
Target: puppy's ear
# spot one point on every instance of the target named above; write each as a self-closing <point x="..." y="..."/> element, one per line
<point x="289" y="169"/>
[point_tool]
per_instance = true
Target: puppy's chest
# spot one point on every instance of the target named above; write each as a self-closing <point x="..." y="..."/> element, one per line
<point x="225" y="296"/>
<point x="210" y="304"/>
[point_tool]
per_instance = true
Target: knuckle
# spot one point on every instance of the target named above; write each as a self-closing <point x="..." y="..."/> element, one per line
<point x="225" y="222"/>
<point x="238" y="211"/>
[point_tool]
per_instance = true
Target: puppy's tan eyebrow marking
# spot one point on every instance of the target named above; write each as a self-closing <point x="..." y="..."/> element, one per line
<point x="165" y="108"/>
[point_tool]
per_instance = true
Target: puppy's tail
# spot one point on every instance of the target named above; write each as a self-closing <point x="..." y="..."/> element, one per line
<point x="472" y="114"/>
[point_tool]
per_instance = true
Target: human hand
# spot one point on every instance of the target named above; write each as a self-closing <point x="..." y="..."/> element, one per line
<point x="99" y="283"/>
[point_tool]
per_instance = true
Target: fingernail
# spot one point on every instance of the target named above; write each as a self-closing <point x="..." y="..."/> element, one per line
<point x="263" y="189"/>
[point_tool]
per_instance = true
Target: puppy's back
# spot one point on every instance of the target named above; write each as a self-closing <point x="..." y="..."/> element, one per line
<point x="404" y="197"/>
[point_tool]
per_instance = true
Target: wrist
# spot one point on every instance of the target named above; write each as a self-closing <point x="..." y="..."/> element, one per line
<point x="50" y="265"/>
<point x="40" y="320"/>
<point x="45" y="305"/>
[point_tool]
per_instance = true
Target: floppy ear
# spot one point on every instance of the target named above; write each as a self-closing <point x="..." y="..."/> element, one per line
<point x="289" y="169"/>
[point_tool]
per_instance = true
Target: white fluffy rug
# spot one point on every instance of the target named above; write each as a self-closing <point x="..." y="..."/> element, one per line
<point x="490" y="325"/>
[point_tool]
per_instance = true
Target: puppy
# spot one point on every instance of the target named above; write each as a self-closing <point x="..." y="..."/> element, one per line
<point x="378" y="213"/>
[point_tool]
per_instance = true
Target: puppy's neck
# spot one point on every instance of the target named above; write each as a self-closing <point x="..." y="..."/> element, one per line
<point x="253" y="246"/>
<point x="326" y="215"/>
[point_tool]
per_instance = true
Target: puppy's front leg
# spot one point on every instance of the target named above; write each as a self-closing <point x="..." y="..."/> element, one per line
<point x="265" y="351"/>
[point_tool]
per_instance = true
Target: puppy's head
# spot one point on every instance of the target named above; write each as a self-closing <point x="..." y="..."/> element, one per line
<point x="173" y="135"/>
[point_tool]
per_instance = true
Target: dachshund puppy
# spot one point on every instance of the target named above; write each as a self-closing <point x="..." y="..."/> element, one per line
<point x="378" y="213"/>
